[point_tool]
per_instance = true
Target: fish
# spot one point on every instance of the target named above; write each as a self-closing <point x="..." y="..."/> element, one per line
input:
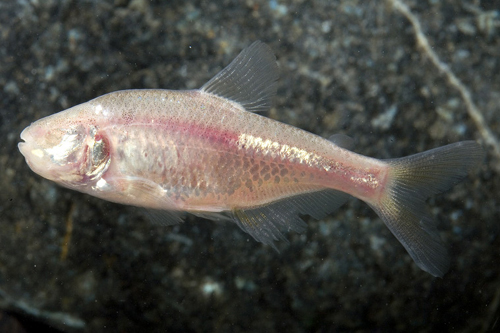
<point x="210" y="153"/>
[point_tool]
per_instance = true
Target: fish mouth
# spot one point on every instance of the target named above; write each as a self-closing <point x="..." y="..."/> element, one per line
<point x="23" y="133"/>
<point x="29" y="146"/>
<point x="23" y="146"/>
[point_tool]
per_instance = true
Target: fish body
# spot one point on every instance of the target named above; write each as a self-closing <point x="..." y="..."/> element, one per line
<point x="206" y="152"/>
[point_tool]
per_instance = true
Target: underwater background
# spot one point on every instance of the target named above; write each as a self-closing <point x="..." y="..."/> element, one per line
<point x="399" y="76"/>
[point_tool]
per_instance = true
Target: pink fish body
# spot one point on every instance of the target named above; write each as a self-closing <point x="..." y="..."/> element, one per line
<point x="205" y="152"/>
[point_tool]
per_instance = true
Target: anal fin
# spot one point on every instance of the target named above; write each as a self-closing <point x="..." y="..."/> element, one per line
<point x="164" y="217"/>
<point x="266" y="223"/>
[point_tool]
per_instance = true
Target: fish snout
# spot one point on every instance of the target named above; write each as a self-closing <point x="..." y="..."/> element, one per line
<point x="32" y="137"/>
<point x="29" y="147"/>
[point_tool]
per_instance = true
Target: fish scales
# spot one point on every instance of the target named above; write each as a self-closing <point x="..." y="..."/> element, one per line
<point x="208" y="153"/>
<point x="209" y="163"/>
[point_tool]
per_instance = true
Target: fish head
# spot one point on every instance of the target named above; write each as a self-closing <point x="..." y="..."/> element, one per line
<point x="65" y="148"/>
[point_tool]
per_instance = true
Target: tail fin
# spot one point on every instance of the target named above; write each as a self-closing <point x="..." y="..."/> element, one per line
<point x="411" y="181"/>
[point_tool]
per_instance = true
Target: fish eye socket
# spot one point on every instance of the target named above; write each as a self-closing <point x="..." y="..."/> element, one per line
<point x="74" y="131"/>
<point x="66" y="146"/>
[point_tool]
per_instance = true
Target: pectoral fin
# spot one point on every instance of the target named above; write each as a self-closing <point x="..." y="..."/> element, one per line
<point x="141" y="192"/>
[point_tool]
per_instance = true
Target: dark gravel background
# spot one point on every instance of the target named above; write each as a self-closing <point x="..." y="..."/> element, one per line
<point x="348" y="66"/>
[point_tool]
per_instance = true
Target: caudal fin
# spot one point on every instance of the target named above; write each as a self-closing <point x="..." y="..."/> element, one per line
<point x="410" y="182"/>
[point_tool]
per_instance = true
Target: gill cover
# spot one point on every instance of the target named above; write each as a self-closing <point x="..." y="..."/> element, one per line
<point x="98" y="157"/>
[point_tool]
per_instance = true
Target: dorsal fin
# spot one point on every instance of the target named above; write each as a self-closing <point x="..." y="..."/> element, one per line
<point x="250" y="79"/>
